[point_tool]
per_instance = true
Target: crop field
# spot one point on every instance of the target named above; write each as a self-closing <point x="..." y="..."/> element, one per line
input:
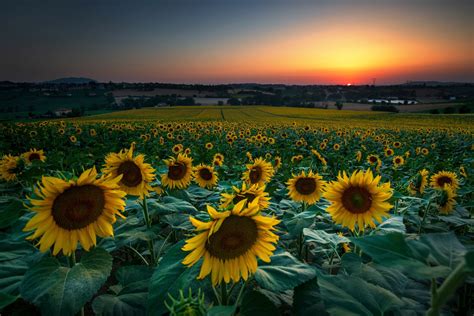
<point x="227" y="210"/>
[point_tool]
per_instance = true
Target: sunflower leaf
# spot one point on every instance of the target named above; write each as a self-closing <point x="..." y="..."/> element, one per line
<point x="284" y="272"/>
<point x="171" y="276"/>
<point x="59" y="290"/>
<point x="256" y="303"/>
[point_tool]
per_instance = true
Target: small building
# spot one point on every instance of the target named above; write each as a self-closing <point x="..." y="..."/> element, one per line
<point x="62" y="111"/>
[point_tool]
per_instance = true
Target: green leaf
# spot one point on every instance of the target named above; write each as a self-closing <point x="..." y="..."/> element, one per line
<point x="391" y="225"/>
<point x="392" y="250"/>
<point x="131" y="296"/>
<point x="170" y="205"/>
<point x="445" y="249"/>
<point x="171" y="276"/>
<point x="15" y="260"/>
<point x="255" y="303"/>
<point x="6" y="299"/>
<point x="11" y="209"/>
<point x="284" y="272"/>
<point x="221" y="311"/>
<point x="350" y="295"/>
<point x="324" y="238"/>
<point x="295" y="223"/>
<point x="307" y="299"/>
<point x="59" y="290"/>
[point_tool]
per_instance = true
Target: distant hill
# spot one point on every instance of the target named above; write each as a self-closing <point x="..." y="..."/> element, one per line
<point x="71" y="80"/>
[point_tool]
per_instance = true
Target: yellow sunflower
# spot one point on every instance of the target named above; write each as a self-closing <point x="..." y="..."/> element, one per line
<point x="372" y="159"/>
<point x="231" y="242"/>
<point x="277" y="162"/>
<point x="462" y="171"/>
<point x="74" y="210"/>
<point x="306" y="188"/>
<point x="254" y="192"/>
<point x="136" y="173"/>
<point x="205" y="176"/>
<point x="358" y="199"/>
<point x="260" y="172"/>
<point x="446" y="200"/>
<point x="9" y="168"/>
<point x="441" y="178"/>
<point x="398" y="161"/>
<point x="179" y="173"/>
<point x="34" y="154"/>
<point x="418" y="184"/>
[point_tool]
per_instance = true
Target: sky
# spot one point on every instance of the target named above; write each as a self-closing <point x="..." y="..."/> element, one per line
<point x="236" y="41"/>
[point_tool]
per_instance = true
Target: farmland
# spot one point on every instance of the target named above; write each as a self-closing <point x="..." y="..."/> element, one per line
<point x="253" y="210"/>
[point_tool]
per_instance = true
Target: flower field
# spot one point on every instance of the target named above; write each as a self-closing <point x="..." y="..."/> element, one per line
<point x="238" y="211"/>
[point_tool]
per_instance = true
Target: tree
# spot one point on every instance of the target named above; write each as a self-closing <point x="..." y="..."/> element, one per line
<point x="339" y="105"/>
<point x="233" y="101"/>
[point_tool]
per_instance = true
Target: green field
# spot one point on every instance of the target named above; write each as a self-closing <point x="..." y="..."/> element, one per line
<point x="271" y="114"/>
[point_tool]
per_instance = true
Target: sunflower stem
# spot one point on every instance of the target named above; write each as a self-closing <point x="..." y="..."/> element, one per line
<point x="439" y="296"/>
<point x="224" y="294"/>
<point x="151" y="246"/>
<point x="72" y="263"/>
<point x="239" y="296"/>
<point x="216" y="294"/>
<point x="424" y="217"/>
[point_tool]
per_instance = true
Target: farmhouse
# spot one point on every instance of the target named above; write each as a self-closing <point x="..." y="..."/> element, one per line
<point x="62" y="111"/>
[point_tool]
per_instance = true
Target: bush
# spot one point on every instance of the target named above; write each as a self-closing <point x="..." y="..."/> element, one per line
<point x="434" y="111"/>
<point x="385" y="108"/>
<point x="464" y="109"/>
<point x="449" y="110"/>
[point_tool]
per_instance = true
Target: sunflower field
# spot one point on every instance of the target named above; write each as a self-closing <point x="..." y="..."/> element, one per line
<point x="238" y="211"/>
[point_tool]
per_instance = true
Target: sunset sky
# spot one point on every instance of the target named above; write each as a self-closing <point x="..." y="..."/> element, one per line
<point x="230" y="41"/>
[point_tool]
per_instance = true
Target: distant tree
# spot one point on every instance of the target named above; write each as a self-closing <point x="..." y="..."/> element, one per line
<point x="434" y="111"/>
<point x="339" y="105"/>
<point x="464" y="109"/>
<point x="233" y="101"/>
<point x="220" y="102"/>
<point x="449" y="110"/>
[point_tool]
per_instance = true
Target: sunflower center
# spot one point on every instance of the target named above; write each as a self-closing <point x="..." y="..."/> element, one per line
<point x="373" y="159"/>
<point x="132" y="175"/>
<point x="205" y="174"/>
<point x="34" y="156"/>
<point x="234" y="238"/>
<point x="357" y="200"/>
<point x="305" y="186"/>
<point x="255" y="174"/>
<point x="78" y="206"/>
<point x="177" y="171"/>
<point x="239" y="197"/>
<point x="444" y="180"/>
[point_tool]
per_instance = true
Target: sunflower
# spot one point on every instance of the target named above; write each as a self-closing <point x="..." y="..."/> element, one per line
<point x="136" y="173"/>
<point x="73" y="139"/>
<point x="205" y="176"/>
<point x="446" y="200"/>
<point x="425" y="151"/>
<point x="219" y="157"/>
<point x="462" y="171"/>
<point x="358" y="156"/>
<point x="74" y="210"/>
<point x="358" y="199"/>
<point x="297" y="158"/>
<point x="441" y="178"/>
<point x="259" y="172"/>
<point x="277" y="162"/>
<point x="398" y="161"/>
<point x="179" y="173"/>
<point x="34" y="154"/>
<point x="336" y="147"/>
<point x="177" y="148"/>
<point x="418" y="184"/>
<point x="92" y="132"/>
<point x="372" y="159"/>
<point x="306" y="188"/>
<point x="254" y="192"/>
<point x="388" y="152"/>
<point x="9" y="167"/>
<point x="209" y="146"/>
<point x="231" y="242"/>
